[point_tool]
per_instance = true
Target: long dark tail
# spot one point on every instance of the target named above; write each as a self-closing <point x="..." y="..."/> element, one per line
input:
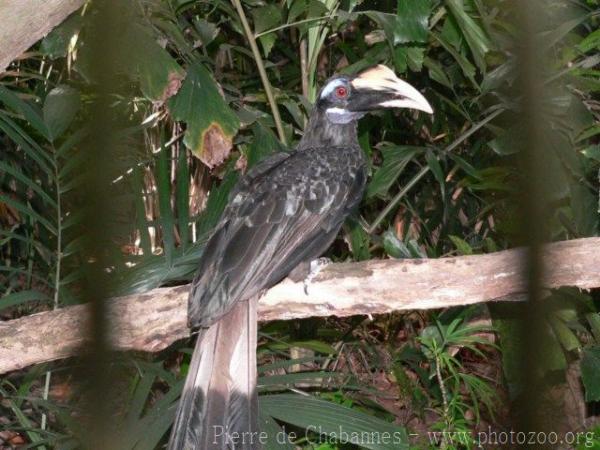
<point x="219" y="400"/>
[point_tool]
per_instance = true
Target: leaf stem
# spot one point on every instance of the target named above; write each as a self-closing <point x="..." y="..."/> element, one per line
<point x="293" y="24"/>
<point x="261" y="69"/>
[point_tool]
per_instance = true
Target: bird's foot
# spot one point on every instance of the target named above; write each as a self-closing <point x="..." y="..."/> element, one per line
<point x="315" y="267"/>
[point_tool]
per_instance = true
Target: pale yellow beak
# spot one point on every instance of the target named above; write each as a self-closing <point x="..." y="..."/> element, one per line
<point x="393" y="92"/>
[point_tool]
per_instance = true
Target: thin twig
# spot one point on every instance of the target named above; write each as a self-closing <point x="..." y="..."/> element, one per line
<point x="261" y="70"/>
<point x="292" y="24"/>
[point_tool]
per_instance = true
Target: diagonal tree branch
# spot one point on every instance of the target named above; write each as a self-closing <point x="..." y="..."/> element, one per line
<point x="154" y="320"/>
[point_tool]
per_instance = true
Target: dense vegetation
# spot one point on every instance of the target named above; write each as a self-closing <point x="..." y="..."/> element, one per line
<point x="193" y="111"/>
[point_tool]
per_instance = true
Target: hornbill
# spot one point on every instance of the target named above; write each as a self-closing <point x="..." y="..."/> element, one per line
<point x="285" y="212"/>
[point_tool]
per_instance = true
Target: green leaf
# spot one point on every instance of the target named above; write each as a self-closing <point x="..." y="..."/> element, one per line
<point x="183" y="196"/>
<point x="211" y="124"/>
<point x="394" y="247"/>
<point x="27" y="143"/>
<point x="207" y="31"/>
<point x="60" y="107"/>
<point x="435" y="167"/>
<point x="267" y="42"/>
<point x="295" y="377"/>
<point x="263" y="145"/>
<point x="359" y="241"/>
<point x="29" y="112"/>
<point x="266" y="17"/>
<point x="409" y="25"/>
<point x="31" y="184"/>
<point x="277" y="439"/>
<point x="592" y="152"/>
<point x="26" y="209"/>
<point x="19" y="298"/>
<point x="395" y="159"/>
<point x="56" y="43"/>
<point x="314" y="345"/>
<point x="590" y="368"/>
<point x="565" y="336"/>
<point x="296" y="10"/>
<point x="164" y="202"/>
<point x="510" y="142"/>
<point x="334" y="421"/>
<point x="159" y="74"/>
<point x="461" y="245"/>
<point x="477" y="39"/>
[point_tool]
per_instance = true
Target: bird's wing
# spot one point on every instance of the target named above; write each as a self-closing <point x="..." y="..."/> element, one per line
<point x="284" y="212"/>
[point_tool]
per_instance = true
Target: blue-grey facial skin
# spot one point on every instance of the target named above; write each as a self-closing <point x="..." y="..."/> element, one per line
<point x="336" y="107"/>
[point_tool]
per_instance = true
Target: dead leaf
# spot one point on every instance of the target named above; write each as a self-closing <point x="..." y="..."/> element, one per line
<point x="173" y="85"/>
<point x="215" y="146"/>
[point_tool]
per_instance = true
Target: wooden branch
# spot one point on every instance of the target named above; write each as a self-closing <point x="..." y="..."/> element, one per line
<point x="25" y="22"/>
<point x="154" y="320"/>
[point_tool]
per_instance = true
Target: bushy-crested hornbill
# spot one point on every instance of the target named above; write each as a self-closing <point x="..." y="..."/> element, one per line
<point x="283" y="213"/>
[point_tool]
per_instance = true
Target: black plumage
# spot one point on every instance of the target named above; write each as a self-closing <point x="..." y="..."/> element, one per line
<point x="284" y="212"/>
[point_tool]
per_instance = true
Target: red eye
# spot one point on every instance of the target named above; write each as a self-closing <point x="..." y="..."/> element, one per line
<point x="341" y="92"/>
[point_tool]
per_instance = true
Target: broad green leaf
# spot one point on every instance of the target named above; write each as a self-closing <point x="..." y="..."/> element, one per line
<point x="159" y="74"/>
<point x="395" y="160"/>
<point x="590" y="368"/>
<point x="296" y="10"/>
<point x="584" y="205"/>
<point x="60" y="107"/>
<point x="207" y="31"/>
<point x="263" y="145"/>
<point x="461" y="245"/>
<point x="211" y="124"/>
<point x="507" y="143"/>
<point x="334" y="421"/>
<point x="409" y="57"/>
<point x="267" y="42"/>
<point x="277" y="438"/>
<point x="437" y="73"/>
<point x="266" y="17"/>
<point x="56" y="43"/>
<point x="410" y="24"/>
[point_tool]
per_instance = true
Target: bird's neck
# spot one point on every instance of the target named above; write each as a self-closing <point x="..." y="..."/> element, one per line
<point x="320" y="132"/>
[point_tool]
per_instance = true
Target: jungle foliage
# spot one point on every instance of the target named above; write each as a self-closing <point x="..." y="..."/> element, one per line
<point x="206" y="89"/>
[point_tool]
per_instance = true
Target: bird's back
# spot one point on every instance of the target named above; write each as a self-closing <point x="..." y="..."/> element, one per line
<point x="285" y="211"/>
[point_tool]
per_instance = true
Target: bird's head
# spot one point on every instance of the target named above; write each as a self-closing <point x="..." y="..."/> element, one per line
<point x="347" y="98"/>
